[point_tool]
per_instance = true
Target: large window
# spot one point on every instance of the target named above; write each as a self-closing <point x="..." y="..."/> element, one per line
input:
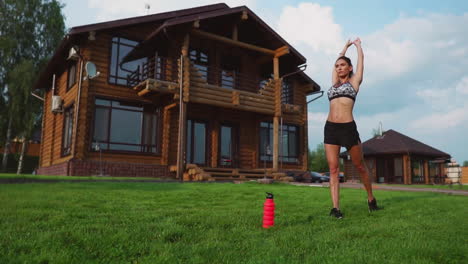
<point x="124" y="126"/>
<point x="67" y="130"/>
<point x="118" y="71"/>
<point x="288" y="143"/>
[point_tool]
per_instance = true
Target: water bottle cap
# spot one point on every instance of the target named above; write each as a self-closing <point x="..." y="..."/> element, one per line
<point x="269" y="195"/>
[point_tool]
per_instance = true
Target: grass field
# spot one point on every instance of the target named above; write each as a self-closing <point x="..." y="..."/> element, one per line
<point x="107" y="222"/>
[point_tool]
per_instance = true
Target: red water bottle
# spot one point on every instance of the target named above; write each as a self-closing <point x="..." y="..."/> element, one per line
<point x="269" y="211"/>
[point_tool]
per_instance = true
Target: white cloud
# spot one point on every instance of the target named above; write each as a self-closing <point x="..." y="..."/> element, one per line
<point x="312" y="25"/>
<point x="441" y="121"/>
<point x="117" y="9"/>
<point x="462" y="86"/>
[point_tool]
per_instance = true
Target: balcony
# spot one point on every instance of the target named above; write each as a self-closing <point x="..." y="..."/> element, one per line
<point x="208" y="85"/>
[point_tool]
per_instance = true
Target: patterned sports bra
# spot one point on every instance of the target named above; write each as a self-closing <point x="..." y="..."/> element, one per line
<point x="344" y="90"/>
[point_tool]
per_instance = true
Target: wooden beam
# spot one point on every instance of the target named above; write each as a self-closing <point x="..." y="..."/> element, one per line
<point x="244" y="16"/>
<point x="182" y="112"/>
<point x="232" y="42"/>
<point x="277" y="113"/>
<point x="281" y="51"/>
<point x="235" y="33"/>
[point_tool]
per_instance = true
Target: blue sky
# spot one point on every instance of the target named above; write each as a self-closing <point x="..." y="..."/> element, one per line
<point x="416" y="57"/>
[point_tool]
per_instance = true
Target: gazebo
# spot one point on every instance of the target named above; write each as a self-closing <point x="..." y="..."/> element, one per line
<point x="396" y="158"/>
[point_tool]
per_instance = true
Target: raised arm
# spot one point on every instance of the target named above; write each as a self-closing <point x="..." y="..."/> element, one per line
<point x="356" y="79"/>
<point x="335" y="78"/>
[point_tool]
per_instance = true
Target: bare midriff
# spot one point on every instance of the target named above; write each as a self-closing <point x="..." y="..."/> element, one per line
<point x="341" y="110"/>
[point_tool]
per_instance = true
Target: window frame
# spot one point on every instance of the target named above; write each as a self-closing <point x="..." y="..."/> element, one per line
<point x="67" y="130"/>
<point x="270" y="134"/>
<point x="287" y="92"/>
<point x="117" y="66"/>
<point x="71" y="65"/>
<point x="157" y="137"/>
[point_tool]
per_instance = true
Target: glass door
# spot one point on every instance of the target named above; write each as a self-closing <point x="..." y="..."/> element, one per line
<point x="196" y="142"/>
<point x="227" y="146"/>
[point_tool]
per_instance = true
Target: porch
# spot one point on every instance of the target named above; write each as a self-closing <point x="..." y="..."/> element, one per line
<point x="193" y="172"/>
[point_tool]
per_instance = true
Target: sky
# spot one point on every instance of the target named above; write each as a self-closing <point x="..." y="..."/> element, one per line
<point x="415" y="65"/>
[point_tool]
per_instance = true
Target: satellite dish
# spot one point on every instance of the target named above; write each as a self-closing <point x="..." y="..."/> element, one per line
<point x="91" y="71"/>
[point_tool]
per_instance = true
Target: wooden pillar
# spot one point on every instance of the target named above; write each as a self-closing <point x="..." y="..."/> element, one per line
<point x="184" y="85"/>
<point x="214" y="142"/>
<point x="405" y="169"/>
<point x="426" y="172"/>
<point x="166" y="134"/>
<point x="277" y="113"/>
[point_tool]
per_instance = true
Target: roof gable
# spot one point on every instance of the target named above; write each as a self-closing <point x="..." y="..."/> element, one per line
<point x="393" y="142"/>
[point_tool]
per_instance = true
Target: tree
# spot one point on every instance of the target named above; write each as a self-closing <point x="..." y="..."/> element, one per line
<point x="30" y="30"/>
<point x="26" y="107"/>
<point x="318" y="160"/>
<point x="465" y="163"/>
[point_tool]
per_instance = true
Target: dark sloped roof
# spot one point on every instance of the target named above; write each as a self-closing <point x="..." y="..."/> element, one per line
<point x="148" y="18"/>
<point x="62" y="49"/>
<point x="393" y="142"/>
<point x="168" y="19"/>
<point x="206" y="15"/>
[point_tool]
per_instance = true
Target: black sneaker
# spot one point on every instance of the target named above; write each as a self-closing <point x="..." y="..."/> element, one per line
<point x="373" y="205"/>
<point x="336" y="213"/>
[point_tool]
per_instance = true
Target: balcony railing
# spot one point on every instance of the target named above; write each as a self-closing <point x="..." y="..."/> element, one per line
<point x="229" y="78"/>
<point x="158" y="68"/>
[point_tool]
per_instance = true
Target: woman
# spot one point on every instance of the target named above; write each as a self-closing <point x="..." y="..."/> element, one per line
<point x="340" y="128"/>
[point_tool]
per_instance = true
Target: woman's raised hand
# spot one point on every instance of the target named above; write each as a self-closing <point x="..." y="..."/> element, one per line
<point x="348" y="43"/>
<point x="357" y="42"/>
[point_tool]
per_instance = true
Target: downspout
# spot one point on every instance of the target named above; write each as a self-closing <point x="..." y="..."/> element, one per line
<point x="77" y="108"/>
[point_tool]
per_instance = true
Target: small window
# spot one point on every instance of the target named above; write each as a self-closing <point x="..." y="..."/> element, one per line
<point x="201" y="61"/>
<point x="67" y="130"/>
<point x="71" y="77"/>
<point x="287" y="92"/>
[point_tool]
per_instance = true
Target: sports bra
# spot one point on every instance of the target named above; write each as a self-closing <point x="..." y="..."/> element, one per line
<point x="344" y="90"/>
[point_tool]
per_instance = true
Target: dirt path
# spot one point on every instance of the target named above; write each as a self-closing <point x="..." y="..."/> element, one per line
<point x="390" y="188"/>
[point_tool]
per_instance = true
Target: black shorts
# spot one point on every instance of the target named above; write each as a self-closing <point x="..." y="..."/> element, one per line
<point x="341" y="134"/>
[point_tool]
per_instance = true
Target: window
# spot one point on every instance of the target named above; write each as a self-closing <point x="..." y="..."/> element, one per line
<point x="200" y="60"/>
<point x="196" y="142"/>
<point x="417" y="171"/>
<point x="229" y="71"/>
<point x="124" y="126"/>
<point x="71" y="76"/>
<point x="287" y="92"/>
<point x="288" y="143"/>
<point x="118" y="72"/>
<point x="67" y="130"/>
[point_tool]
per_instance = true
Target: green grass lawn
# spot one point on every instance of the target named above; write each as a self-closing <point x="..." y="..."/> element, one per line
<point x="66" y="178"/>
<point x="106" y="222"/>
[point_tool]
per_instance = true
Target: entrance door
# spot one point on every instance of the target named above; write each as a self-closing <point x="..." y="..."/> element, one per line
<point x="196" y="142"/>
<point x="228" y="146"/>
<point x="385" y="170"/>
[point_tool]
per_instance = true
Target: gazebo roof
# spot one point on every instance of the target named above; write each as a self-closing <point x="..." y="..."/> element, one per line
<point x="393" y="142"/>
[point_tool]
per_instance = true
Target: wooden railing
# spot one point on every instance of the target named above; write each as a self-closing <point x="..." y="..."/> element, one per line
<point x="158" y="68"/>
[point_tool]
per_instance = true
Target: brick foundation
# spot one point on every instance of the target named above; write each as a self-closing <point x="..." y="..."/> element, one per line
<point x="93" y="168"/>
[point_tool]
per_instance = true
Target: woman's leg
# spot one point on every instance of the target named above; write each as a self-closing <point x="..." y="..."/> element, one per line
<point x="332" y="152"/>
<point x="358" y="160"/>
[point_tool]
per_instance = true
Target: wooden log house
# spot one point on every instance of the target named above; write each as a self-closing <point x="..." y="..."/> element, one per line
<point x="204" y="93"/>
